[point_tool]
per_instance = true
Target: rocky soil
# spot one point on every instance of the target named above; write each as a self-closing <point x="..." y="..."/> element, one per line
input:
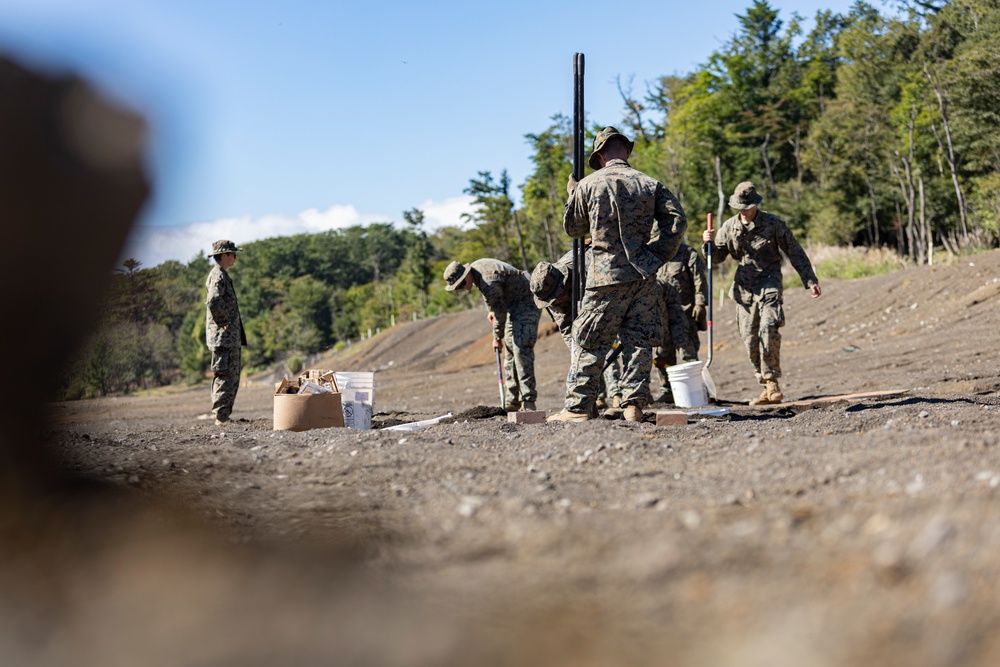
<point x="861" y="532"/>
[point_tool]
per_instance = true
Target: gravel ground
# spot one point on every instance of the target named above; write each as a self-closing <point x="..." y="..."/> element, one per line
<point x="855" y="532"/>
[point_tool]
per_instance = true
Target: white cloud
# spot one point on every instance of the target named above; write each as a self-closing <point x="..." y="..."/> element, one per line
<point x="154" y="245"/>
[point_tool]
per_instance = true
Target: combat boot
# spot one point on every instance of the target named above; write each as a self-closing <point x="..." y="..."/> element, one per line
<point x="567" y="416"/>
<point x="512" y="406"/>
<point x="633" y="413"/>
<point x="769" y="395"/>
<point x="601" y="404"/>
<point x="614" y="410"/>
<point x="528" y="406"/>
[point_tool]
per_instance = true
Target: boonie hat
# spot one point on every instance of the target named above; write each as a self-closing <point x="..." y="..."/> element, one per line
<point x="745" y="196"/>
<point x="455" y="274"/>
<point x="222" y="247"/>
<point x="547" y="283"/>
<point x="601" y="139"/>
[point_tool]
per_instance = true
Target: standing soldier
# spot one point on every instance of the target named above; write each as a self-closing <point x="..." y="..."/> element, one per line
<point x="224" y="332"/>
<point x="551" y="285"/>
<point x="754" y="238"/>
<point x="514" y="317"/>
<point x="685" y="309"/>
<point x="617" y="206"/>
<point x="676" y="346"/>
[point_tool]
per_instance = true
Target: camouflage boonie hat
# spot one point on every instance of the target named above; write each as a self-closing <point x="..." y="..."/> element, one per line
<point x="455" y="274"/>
<point x="601" y="139"/>
<point x="547" y="283"/>
<point x="746" y="195"/>
<point x="222" y="247"/>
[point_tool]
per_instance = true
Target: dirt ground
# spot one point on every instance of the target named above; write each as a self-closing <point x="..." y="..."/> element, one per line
<point x="846" y="533"/>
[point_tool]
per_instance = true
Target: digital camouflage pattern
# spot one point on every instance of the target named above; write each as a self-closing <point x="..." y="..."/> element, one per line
<point x="630" y="312"/>
<point x="635" y="225"/>
<point x="226" y="367"/>
<point x="559" y="307"/>
<point x="676" y="346"/>
<point x="685" y="272"/>
<point x="507" y="293"/>
<point x="757" y="286"/>
<point x="618" y="206"/>
<point x="224" y="335"/>
<point x="223" y="246"/>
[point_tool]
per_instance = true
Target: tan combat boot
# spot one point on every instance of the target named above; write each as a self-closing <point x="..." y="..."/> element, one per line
<point x="512" y="406"/>
<point x="567" y="416"/>
<point x="528" y="406"/>
<point x="633" y="413"/>
<point x="769" y="395"/>
<point x="601" y="404"/>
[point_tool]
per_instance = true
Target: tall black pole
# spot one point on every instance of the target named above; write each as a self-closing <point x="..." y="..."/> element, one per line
<point x="579" y="267"/>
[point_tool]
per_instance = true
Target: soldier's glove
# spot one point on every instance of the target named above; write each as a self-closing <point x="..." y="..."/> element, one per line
<point x="571" y="185"/>
<point x="700" y="315"/>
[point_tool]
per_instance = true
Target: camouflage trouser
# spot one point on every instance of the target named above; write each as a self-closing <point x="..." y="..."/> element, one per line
<point x="677" y="345"/>
<point x="759" y="328"/>
<point x="612" y="377"/>
<point x="520" y="334"/>
<point x="629" y="311"/>
<point x="226" y="380"/>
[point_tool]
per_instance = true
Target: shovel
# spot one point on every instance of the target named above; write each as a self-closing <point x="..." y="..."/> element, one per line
<point x="705" y="375"/>
<point x="503" y="403"/>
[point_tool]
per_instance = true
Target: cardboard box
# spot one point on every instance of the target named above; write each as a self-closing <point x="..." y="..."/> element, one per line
<point x="302" y="412"/>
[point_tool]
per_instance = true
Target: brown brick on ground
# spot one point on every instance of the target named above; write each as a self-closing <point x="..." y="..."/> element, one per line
<point x="671" y="418"/>
<point x="526" y="417"/>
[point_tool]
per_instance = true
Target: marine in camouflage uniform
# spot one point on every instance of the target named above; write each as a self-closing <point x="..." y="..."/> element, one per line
<point x="224" y="333"/>
<point x="551" y="285"/>
<point x="676" y="346"/>
<point x="514" y="317"/>
<point x="618" y="206"/>
<point x="756" y="239"/>
<point x="685" y="298"/>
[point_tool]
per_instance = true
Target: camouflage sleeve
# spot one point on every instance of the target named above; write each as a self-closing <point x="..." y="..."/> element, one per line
<point x="216" y="299"/>
<point x="493" y="296"/>
<point x="797" y="256"/>
<point x="576" y="218"/>
<point x="697" y="267"/>
<point x="671" y="224"/>
<point x="720" y="247"/>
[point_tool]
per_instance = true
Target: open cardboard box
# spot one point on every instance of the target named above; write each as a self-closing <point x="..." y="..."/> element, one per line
<point x="303" y="412"/>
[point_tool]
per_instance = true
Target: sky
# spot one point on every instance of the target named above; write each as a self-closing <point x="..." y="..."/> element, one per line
<point x="270" y="118"/>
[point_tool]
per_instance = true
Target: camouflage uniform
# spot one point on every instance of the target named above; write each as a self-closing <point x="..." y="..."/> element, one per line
<point x="617" y="205"/>
<point x="686" y="273"/>
<point x="224" y="335"/>
<point x="555" y="295"/>
<point x="676" y="345"/>
<point x="757" y="288"/>
<point x="507" y="293"/>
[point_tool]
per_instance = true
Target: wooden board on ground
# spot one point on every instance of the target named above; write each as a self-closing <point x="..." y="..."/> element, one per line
<point x="834" y="399"/>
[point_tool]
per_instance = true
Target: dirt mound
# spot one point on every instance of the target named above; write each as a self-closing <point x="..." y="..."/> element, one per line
<point x="482" y="412"/>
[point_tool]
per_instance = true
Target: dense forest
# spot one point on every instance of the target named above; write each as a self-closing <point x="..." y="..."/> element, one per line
<point x="876" y="128"/>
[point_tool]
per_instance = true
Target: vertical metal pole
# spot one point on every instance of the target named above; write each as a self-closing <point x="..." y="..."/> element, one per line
<point x="579" y="266"/>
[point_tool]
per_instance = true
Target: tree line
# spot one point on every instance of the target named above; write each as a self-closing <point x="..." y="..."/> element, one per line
<point x="874" y="128"/>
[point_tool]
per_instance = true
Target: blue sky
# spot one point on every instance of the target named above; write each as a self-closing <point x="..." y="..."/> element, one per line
<point x="270" y="118"/>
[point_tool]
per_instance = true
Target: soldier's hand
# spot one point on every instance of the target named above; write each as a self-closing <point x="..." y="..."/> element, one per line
<point x="496" y="344"/>
<point x="700" y="316"/>
<point x="492" y="318"/>
<point x="815" y="290"/>
<point x="708" y="236"/>
<point x="571" y="185"/>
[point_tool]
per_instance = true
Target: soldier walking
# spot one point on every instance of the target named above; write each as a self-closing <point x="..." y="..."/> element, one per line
<point x="754" y="238"/>
<point x="224" y="333"/>
<point x="617" y="206"/>
<point x="514" y="317"/>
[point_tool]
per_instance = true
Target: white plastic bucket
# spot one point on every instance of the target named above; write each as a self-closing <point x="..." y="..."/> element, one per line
<point x="687" y="385"/>
<point x="358" y="392"/>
